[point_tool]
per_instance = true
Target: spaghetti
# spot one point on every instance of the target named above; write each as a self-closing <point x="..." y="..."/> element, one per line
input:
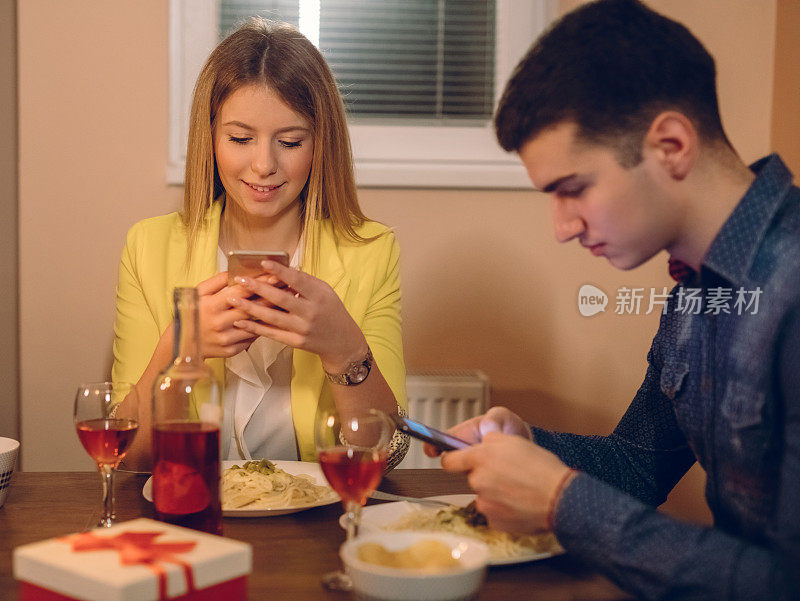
<point x="467" y="521"/>
<point x="262" y="485"/>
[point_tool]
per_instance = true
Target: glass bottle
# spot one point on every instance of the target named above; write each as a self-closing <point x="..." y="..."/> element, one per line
<point x="187" y="414"/>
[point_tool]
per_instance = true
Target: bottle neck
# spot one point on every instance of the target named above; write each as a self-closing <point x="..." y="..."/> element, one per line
<point x="186" y="345"/>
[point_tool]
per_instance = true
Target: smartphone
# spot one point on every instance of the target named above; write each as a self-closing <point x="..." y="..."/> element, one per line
<point x="243" y="263"/>
<point x="437" y="438"/>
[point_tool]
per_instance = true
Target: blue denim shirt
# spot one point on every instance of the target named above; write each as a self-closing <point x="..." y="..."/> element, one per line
<point x="721" y="389"/>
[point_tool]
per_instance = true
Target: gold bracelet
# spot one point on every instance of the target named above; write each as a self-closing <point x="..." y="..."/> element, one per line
<point x="398" y="447"/>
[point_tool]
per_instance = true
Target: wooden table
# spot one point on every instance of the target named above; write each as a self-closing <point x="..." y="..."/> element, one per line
<point x="289" y="552"/>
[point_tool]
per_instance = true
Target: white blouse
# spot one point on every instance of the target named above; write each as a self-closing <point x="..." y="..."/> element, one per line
<point x="257" y="422"/>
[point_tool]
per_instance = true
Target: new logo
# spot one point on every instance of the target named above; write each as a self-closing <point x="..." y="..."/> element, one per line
<point x="591" y="300"/>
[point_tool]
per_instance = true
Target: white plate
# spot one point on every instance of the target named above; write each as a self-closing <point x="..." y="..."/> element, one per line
<point x="294" y="468"/>
<point x="377" y="517"/>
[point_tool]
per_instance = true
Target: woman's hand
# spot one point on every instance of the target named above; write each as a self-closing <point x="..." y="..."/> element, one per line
<point x="218" y="336"/>
<point x="307" y="315"/>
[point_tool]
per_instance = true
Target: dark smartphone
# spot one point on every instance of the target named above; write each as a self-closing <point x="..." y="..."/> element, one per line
<point x="248" y="263"/>
<point x="437" y="438"/>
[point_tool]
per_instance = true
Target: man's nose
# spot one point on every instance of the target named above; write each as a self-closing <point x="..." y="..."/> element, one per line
<point x="567" y="224"/>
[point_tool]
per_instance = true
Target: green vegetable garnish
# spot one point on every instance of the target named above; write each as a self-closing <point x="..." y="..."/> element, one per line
<point x="261" y="466"/>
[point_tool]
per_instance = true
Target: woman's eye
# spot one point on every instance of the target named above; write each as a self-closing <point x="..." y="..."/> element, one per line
<point x="286" y="144"/>
<point x="239" y="140"/>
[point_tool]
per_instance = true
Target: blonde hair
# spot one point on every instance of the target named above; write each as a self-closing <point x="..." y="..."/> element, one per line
<point x="278" y="56"/>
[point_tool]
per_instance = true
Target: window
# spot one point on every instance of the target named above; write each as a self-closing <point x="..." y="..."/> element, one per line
<point x="420" y="79"/>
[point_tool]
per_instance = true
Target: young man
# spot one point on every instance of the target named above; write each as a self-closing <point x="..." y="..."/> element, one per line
<point x="614" y="114"/>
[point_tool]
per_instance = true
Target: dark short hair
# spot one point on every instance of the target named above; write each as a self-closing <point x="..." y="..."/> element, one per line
<point x="610" y="67"/>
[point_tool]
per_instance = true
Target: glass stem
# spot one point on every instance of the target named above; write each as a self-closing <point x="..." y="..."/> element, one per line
<point x="352" y="519"/>
<point x="108" y="495"/>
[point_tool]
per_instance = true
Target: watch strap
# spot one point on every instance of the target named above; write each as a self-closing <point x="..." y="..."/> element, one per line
<point x="349" y="376"/>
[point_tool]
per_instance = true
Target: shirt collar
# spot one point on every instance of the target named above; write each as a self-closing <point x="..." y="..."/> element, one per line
<point x="733" y="250"/>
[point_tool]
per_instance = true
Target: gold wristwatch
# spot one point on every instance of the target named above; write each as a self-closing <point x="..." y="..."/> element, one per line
<point x="355" y="373"/>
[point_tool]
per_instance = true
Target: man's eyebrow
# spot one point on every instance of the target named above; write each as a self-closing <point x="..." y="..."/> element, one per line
<point x="282" y="130"/>
<point x="556" y="183"/>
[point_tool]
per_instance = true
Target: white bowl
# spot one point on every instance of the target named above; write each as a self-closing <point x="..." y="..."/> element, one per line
<point x="372" y="582"/>
<point x="9" y="449"/>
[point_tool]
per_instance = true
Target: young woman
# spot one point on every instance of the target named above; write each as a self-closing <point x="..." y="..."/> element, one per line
<point x="268" y="167"/>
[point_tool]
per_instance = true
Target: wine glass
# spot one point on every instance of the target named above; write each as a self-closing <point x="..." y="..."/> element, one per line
<point x="352" y="451"/>
<point x="106" y="438"/>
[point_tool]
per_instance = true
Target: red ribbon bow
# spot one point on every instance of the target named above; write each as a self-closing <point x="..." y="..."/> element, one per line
<point x="140" y="548"/>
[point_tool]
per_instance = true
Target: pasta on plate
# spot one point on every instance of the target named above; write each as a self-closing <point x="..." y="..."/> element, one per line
<point x="467" y="521"/>
<point x="262" y="485"/>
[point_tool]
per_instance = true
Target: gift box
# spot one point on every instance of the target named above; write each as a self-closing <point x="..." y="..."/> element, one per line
<point x="138" y="560"/>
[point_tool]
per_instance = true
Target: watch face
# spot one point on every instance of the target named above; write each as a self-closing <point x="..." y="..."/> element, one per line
<point x="359" y="374"/>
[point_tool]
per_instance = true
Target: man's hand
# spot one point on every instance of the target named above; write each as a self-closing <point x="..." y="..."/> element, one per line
<point x="497" y="419"/>
<point x="515" y="480"/>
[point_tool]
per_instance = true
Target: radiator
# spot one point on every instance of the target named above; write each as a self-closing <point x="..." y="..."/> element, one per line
<point x="442" y="399"/>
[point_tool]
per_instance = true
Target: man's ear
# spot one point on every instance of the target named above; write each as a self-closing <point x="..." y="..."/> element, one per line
<point x="673" y="142"/>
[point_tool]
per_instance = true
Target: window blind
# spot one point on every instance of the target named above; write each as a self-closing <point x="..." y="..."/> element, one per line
<point x="420" y="61"/>
<point x="233" y="13"/>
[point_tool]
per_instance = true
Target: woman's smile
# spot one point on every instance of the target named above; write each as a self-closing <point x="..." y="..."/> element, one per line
<point x="263" y="193"/>
<point x="265" y="187"/>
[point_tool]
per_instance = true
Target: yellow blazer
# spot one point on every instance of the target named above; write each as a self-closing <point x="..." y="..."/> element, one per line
<point x="365" y="276"/>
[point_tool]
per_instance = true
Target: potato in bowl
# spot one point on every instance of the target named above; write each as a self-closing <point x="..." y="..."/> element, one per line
<point x="455" y="580"/>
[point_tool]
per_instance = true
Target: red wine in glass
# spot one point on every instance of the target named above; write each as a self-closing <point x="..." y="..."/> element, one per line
<point x="106" y="440"/>
<point x="105" y="437"/>
<point x="354" y="474"/>
<point x="352" y="452"/>
<point x="186" y="468"/>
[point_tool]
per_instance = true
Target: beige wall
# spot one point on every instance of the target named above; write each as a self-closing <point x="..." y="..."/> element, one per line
<point x="485" y="285"/>
<point x="9" y="318"/>
<point x="786" y="97"/>
<point x="93" y="154"/>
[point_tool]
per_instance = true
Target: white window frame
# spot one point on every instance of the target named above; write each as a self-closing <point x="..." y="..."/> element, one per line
<point x="385" y="155"/>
